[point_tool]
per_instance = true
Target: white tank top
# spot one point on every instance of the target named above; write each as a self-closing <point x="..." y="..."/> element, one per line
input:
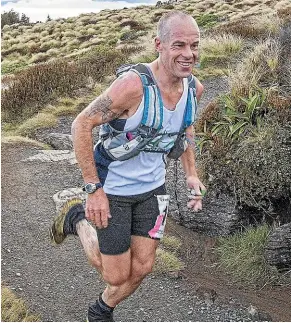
<point x="145" y="171"/>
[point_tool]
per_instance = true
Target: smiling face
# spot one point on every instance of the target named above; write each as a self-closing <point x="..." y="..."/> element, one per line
<point x="178" y="48"/>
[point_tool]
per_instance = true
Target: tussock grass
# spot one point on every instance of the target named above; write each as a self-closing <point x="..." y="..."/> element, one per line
<point x="16" y="139"/>
<point x="64" y="110"/>
<point x="256" y="68"/>
<point x="170" y="242"/>
<point x="209" y="72"/>
<point x="242" y="255"/>
<point x="225" y="44"/>
<point x="41" y="120"/>
<point x="14" y="309"/>
<point x="167" y="262"/>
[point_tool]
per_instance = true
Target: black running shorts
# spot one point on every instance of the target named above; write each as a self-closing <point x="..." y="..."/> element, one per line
<point x="141" y="215"/>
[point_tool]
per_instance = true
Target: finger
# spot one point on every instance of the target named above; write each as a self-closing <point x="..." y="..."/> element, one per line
<point x="197" y="206"/>
<point x="104" y="219"/>
<point x="195" y="197"/>
<point x="97" y="219"/>
<point x="89" y="214"/>
<point x="191" y="204"/>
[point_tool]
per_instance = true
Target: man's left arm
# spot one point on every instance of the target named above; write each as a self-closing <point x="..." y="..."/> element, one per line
<point x="188" y="163"/>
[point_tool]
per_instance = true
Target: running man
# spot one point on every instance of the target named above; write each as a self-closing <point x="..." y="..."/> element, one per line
<point x="124" y="174"/>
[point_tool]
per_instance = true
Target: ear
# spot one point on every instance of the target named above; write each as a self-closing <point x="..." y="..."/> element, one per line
<point x="158" y="44"/>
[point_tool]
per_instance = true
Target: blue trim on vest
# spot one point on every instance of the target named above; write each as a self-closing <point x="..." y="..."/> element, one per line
<point x="188" y="112"/>
<point x="161" y="104"/>
<point x="146" y="106"/>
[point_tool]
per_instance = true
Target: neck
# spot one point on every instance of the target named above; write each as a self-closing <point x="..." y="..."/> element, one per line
<point x="165" y="79"/>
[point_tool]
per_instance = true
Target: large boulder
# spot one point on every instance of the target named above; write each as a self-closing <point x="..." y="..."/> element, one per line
<point x="59" y="141"/>
<point x="219" y="215"/>
<point x="278" y="247"/>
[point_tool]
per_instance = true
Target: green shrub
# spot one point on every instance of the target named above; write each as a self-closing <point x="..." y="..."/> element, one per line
<point x="101" y="61"/>
<point x="39" y="84"/>
<point x="10" y="67"/>
<point x="207" y="20"/>
<point x="242" y="256"/>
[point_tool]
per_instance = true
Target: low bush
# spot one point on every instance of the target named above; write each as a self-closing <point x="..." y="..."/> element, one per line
<point x="255" y="169"/>
<point x="36" y="86"/>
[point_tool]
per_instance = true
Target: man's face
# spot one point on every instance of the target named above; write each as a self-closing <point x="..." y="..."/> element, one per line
<point x="179" y="52"/>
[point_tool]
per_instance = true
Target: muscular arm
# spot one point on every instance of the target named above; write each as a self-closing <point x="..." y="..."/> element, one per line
<point x="120" y="98"/>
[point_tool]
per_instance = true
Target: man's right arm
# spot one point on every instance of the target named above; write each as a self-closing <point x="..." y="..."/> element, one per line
<point x="122" y="95"/>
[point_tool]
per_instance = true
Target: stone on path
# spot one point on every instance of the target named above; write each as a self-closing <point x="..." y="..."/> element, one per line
<point x="62" y="196"/>
<point x="54" y="156"/>
<point x="59" y="141"/>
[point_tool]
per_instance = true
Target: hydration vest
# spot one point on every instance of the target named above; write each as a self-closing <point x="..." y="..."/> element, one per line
<point x="123" y="145"/>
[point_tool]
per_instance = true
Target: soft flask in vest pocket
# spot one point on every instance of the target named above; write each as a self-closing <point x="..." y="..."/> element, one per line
<point x="179" y="147"/>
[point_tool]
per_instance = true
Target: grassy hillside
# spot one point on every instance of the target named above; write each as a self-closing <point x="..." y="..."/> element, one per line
<point x="43" y="42"/>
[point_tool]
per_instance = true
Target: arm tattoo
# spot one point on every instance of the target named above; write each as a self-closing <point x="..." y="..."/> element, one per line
<point x="102" y="105"/>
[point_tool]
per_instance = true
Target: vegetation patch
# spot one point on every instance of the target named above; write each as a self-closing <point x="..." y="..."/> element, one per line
<point x="41" y="120"/>
<point x="225" y="44"/>
<point x="171" y="243"/>
<point x="242" y="256"/>
<point x="207" y="20"/>
<point x="17" y="139"/>
<point x="13" y="309"/>
<point x="167" y="262"/>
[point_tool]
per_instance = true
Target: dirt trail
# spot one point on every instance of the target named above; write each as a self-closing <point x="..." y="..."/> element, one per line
<point x="58" y="283"/>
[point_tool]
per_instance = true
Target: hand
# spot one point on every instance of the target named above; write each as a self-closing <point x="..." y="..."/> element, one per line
<point x="199" y="190"/>
<point x="97" y="209"/>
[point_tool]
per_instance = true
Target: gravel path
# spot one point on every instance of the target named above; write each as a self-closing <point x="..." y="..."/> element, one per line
<point x="57" y="282"/>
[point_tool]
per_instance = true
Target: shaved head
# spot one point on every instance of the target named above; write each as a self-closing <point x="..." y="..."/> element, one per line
<point x="165" y="22"/>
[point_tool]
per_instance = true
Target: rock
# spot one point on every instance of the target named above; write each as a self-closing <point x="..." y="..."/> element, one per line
<point x="219" y="215"/>
<point x="257" y="315"/>
<point x="62" y="196"/>
<point x="278" y="247"/>
<point x="59" y="141"/>
<point x="18" y="274"/>
<point x="53" y="156"/>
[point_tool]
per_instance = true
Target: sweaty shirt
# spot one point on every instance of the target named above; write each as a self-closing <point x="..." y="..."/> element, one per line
<point x="146" y="171"/>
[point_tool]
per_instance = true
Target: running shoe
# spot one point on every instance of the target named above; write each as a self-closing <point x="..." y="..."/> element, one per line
<point x="65" y="222"/>
<point x="99" y="313"/>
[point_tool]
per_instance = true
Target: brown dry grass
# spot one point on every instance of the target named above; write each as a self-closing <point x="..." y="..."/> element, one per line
<point x="14" y="309"/>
